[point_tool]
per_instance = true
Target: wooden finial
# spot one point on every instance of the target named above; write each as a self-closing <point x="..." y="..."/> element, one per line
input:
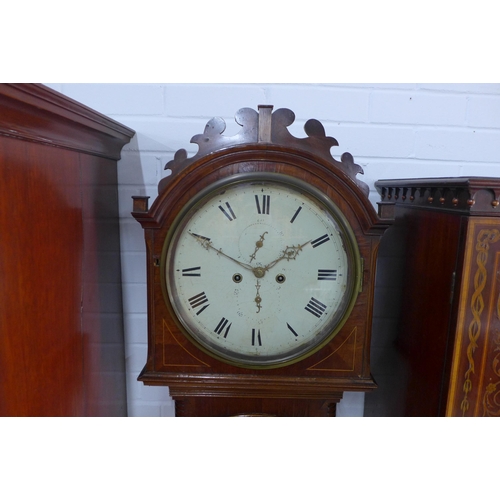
<point x="265" y="111"/>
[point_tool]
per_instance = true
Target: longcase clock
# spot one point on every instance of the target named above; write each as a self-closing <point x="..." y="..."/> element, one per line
<point x="261" y="254"/>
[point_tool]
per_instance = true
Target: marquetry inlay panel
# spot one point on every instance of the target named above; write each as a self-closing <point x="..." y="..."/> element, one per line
<point x="475" y="380"/>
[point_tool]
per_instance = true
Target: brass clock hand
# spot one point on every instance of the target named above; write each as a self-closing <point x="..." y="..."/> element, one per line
<point x="258" y="245"/>
<point x="289" y="253"/>
<point x="207" y="243"/>
<point x="258" y="298"/>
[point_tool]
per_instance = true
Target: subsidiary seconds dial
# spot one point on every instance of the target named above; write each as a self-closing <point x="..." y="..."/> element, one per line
<point x="261" y="270"/>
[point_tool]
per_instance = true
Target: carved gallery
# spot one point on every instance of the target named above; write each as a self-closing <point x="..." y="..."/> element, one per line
<point x="267" y="263"/>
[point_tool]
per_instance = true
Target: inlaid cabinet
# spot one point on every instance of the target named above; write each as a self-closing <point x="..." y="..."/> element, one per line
<point x="441" y="260"/>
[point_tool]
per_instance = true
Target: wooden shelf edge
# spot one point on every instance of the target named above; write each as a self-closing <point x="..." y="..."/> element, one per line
<point x="36" y="113"/>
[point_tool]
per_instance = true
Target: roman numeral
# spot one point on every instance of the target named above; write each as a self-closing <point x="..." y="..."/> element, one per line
<point x="192" y="271"/>
<point x="315" y="307"/>
<point x="197" y="301"/>
<point x="266" y="204"/>
<point x="319" y="241"/>
<point x="327" y="274"/>
<point x="220" y="327"/>
<point x="229" y="213"/>
<point x="295" y="215"/>
<point x="256" y="340"/>
<point x="292" y="330"/>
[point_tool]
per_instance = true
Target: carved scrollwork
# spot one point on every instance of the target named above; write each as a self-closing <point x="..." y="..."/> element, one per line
<point x="354" y="169"/>
<point x="213" y="138"/>
<point x="263" y="126"/>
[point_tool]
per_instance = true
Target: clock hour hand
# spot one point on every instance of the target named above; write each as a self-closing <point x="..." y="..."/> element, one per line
<point x="289" y="253"/>
<point x="207" y="243"/>
<point x="199" y="237"/>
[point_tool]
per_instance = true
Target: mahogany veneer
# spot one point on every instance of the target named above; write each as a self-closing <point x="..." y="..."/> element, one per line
<point x="61" y="334"/>
<point x="442" y="257"/>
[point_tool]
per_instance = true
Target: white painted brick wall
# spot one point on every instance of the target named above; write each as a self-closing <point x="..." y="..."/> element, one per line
<point x="393" y="130"/>
<point x="484" y="111"/>
<point x="417" y="108"/>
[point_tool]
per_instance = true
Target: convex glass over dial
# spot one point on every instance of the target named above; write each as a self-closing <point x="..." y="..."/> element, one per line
<point x="261" y="270"/>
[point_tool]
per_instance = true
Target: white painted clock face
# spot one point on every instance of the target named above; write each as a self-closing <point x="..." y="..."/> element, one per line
<point x="260" y="273"/>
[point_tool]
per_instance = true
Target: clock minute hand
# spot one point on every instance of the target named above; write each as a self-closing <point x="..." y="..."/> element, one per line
<point x="207" y="243"/>
<point x="289" y="253"/>
<point x="258" y="245"/>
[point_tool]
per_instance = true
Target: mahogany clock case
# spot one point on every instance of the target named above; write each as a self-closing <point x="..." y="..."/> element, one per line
<point x="263" y="224"/>
<point x="264" y="145"/>
<point x="61" y="331"/>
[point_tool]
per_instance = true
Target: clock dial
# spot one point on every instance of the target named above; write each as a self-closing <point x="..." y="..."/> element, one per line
<point x="261" y="272"/>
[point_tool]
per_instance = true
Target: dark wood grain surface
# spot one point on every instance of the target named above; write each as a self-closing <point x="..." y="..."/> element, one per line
<point x="441" y="256"/>
<point x="61" y="342"/>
